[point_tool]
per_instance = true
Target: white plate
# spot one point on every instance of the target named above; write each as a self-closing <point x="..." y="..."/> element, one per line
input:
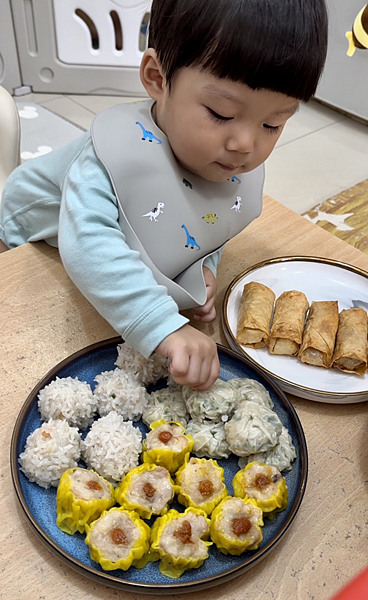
<point x="319" y="279"/>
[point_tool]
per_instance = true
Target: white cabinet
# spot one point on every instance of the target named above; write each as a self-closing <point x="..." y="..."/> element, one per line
<point x="76" y="46"/>
<point x="9" y="67"/>
<point x="344" y="83"/>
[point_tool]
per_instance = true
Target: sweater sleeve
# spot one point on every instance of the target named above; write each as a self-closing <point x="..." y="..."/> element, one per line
<point x="107" y="272"/>
<point x="212" y="261"/>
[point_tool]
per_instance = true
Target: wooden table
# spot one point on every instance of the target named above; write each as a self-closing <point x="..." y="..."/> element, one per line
<point x="44" y="319"/>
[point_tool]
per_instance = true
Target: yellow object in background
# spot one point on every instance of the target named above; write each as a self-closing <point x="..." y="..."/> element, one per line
<point x="358" y="37"/>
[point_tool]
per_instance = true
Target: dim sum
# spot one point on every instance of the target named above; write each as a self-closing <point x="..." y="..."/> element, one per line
<point x="263" y="483"/>
<point x="81" y="497"/>
<point x="215" y="404"/>
<point x="166" y="445"/>
<point x="288" y="323"/>
<point x="118" y="539"/>
<point x="253" y="428"/>
<point x="320" y="334"/>
<point x="255" y="313"/>
<point x="236" y="525"/>
<point x="147" y="489"/>
<point x="351" y="341"/>
<point x="201" y="484"/>
<point x="179" y="540"/>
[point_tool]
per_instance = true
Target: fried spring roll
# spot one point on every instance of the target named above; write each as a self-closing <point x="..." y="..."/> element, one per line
<point x="351" y="341"/>
<point x="288" y="323"/>
<point x="255" y="313"/>
<point x="320" y="334"/>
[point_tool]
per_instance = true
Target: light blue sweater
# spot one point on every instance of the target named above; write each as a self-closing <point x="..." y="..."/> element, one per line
<point x="66" y="199"/>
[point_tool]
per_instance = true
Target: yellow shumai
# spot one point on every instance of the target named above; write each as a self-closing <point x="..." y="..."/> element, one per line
<point x="136" y="552"/>
<point x="125" y="496"/>
<point x="74" y="512"/>
<point x="171" y="453"/>
<point x="200" y="483"/>
<point x="236" y="525"/>
<point x="265" y="484"/>
<point x="174" y="542"/>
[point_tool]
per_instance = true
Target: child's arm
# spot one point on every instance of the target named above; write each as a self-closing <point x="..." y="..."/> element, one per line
<point x="118" y="284"/>
<point x="207" y="312"/>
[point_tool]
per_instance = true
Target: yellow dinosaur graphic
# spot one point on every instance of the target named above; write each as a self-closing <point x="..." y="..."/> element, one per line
<point x="210" y="217"/>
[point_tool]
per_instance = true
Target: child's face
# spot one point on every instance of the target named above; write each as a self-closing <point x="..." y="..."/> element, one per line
<point x="218" y="128"/>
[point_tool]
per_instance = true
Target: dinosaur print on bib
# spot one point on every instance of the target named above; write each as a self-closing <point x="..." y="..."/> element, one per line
<point x="210" y="218"/>
<point x="148" y="135"/>
<point x="237" y="204"/>
<point x="155" y="212"/>
<point x="174" y="218"/>
<point x="191" y="242"/>
<point x="187" y="183"/>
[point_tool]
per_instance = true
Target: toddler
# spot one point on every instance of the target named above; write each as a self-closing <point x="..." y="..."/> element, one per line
<point x="140" y="207"/>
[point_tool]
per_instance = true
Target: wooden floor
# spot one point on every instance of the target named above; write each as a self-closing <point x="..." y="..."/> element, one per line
<point x="345" y="215"/>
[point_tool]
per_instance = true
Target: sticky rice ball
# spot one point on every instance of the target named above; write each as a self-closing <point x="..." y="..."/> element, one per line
<point x="49" y="451"/>
<point x="149" y="370"/>
<point x="69" y="399"/>
<point x="112" y="447"/>
<point x="120" y="391"/>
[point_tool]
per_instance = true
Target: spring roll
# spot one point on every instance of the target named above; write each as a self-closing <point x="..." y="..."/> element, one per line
<point x="255" y="313"/>
<point x="288" y="323"/>
<point x="320" y="334"/>
<point x="351" y="341"/>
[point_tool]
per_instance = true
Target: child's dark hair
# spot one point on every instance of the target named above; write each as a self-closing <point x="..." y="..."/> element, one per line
<point x="278" y="45"/>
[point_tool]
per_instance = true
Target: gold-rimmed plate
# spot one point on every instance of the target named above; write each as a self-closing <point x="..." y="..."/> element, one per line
<point x="320" y="279"/>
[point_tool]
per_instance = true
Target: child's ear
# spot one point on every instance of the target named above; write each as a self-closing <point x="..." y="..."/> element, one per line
<point x="151" y="74"/>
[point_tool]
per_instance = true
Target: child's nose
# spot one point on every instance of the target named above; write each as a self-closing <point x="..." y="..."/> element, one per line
<point x="241" y="141"/>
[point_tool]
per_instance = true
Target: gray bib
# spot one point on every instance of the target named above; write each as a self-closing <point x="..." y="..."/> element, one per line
<point x="172" y="217"/>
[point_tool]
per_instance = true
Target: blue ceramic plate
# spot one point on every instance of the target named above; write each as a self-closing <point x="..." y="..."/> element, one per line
<point x="39" y="505"/>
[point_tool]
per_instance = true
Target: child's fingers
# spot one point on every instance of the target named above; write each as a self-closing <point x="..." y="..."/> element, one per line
<point x="206" y="317"/>
<point x="193" y="355"/>
<point x="213" y="374"/>
<point x="200" y="373"/>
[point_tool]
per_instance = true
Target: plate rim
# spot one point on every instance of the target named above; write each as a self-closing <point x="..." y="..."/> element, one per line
<point x="107" y="578"/>
<point x="323" y="395"/>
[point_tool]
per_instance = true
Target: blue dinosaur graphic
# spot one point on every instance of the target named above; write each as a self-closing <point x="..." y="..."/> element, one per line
<point x="187" y="183"/>
<point x="148" y="135"/>
<point x="190" y="240"/>
<point x="235" y="178"/>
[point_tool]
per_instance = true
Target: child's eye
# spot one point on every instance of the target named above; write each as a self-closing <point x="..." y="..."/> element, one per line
<point x="214" y="115"/>
<point x="271" y="128"/>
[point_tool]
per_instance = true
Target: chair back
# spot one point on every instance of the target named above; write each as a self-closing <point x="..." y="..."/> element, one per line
<point x="9" y="136"/>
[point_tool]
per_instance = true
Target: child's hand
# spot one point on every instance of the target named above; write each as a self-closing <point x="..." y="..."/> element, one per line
<point x="207" y="312"/>
<point x="194" y="358"/>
